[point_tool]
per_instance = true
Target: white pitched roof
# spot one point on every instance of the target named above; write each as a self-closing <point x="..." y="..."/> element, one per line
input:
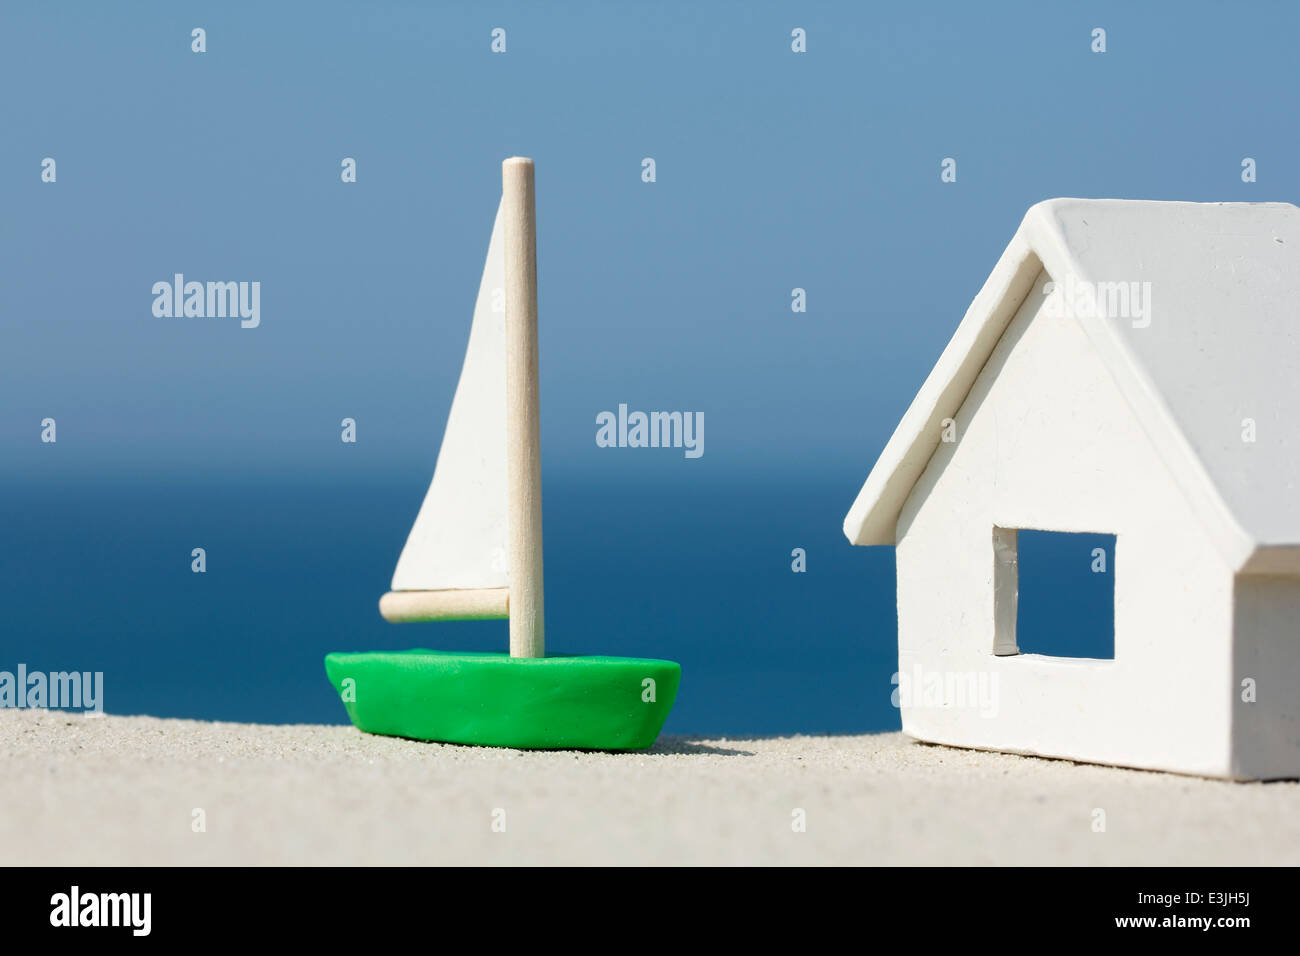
<point x="1223" y="344"/>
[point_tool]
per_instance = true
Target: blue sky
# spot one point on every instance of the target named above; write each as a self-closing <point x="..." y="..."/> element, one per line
<point x="775" y="171"/>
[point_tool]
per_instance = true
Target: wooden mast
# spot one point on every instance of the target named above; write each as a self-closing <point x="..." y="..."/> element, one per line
<point x="523" y="443"/>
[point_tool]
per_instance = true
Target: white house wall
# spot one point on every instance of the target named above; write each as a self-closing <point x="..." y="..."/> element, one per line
<point x="1046" y="441"/>
<point x="1266" y="691"/>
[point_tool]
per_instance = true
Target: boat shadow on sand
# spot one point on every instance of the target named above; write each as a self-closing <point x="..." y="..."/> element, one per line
<point x="666" y="746"/>
<point x="692" y="746"/>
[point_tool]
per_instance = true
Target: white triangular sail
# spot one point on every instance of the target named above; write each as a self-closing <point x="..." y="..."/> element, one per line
<point x="458" y="540"/>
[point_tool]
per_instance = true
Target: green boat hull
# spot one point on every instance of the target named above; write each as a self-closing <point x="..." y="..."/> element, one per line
<point x="550" y="703"/>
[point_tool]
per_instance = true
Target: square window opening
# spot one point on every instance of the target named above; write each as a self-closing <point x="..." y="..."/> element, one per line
<point x="1054" y="593"/>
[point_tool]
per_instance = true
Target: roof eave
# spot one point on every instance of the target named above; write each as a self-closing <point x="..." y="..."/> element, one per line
<point x="873" y="518"/>
<point x="1276" y="560"/>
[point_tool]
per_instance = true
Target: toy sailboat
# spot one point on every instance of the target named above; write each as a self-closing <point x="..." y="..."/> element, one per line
<point x="475" y="552"/>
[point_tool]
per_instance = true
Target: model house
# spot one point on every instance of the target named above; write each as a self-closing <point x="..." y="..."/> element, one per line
<point x="1129" y="368"/>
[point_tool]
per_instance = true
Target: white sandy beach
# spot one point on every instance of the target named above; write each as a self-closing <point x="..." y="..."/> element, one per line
<point x="123" y="790"/>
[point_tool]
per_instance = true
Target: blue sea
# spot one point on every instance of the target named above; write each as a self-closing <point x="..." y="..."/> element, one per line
<point x="96" y="576"/>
